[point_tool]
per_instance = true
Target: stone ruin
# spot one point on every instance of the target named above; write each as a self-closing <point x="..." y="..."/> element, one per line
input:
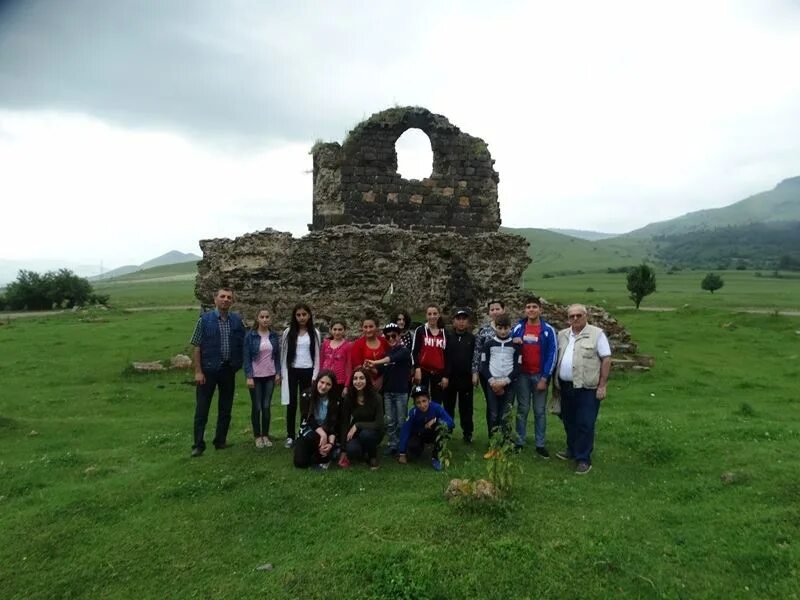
<point x="357" y="182"/>
<point x="378" y="242"/>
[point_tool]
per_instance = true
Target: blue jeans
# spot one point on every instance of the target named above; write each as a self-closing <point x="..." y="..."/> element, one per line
<point x="526" y="388"/>
<point x="395" y="409"/>
<point x="579" y="408"/>
<point x="498" y="408"/>
<point x="261" y="398"/>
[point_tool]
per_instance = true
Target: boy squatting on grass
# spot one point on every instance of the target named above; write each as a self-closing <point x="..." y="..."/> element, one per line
<point x="421" y="428"/>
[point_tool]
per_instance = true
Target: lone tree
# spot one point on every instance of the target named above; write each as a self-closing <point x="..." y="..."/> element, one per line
<point x="641" y="283"/>
<point x="712" y="282"/>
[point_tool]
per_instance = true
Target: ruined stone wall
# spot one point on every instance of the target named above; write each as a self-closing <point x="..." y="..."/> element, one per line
<point x="357" y="182"/>
<point x="345" y="271"/>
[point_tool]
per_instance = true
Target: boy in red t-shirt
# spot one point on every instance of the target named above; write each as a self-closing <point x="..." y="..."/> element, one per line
<point x="539" y="350"/>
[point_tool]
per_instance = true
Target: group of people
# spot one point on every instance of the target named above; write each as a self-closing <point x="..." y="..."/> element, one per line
<point x="353" y="393"/>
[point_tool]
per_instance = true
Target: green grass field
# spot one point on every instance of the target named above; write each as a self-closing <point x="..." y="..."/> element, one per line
<point x="742" y="290"/>
<point x="694" y="493"/>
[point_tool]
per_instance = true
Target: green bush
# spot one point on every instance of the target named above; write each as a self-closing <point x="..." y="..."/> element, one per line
<point x="54" y="289"/>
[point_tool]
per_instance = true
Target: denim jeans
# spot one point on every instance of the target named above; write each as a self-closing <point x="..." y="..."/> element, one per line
<point x="526" y="388"/>
<point x="224" y="380"/>
<point x="579" y="408"/>
<point x="395" y="409"/>
<point x="261" y="398"/>
<point x="498" y="408"/>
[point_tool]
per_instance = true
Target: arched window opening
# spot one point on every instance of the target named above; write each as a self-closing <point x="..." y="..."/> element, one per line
<point x="414" y="155"/>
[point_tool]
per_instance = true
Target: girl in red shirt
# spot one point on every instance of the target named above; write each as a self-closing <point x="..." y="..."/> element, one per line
<point x="428" y="354"/>
<point x="335" y="356"/>
<point x="370" y="346"/>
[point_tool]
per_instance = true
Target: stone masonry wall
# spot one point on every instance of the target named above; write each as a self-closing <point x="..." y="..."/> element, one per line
<point x="357" y="182"/>
<point x="345" y="271"/>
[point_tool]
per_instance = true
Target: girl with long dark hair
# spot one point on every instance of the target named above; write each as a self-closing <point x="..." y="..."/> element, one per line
<point x="300" y="346"/>
<point x="362" y="421"/>
<point x="428" y="355"/>
<point x="370" y="346"/>
<point x="319" y="425"/>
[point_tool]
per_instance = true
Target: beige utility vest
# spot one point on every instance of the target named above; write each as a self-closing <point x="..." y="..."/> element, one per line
<point x="585" y="361"/>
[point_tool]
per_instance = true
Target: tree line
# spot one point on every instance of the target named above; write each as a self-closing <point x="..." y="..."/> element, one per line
<point x="46" y="291"/>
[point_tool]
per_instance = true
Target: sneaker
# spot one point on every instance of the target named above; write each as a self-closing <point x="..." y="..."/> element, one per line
<point x="583" y="468"/>
<point x="197" y="452"/>
<point x="320" y="467"/>
<point x="373" y="464"/>
<point x="491" y="453"/>
<point x="518" y="448"/>
<point x="467" y="438"/>
<point x="344" y="462"/>
<point x="267" y="442"/>
<point x="259" y="442"/>
<point x="436" y="464"/>
<point x="563" y="455"/>
<point x="222" y="446"/>
<point x="288" y="443"/>
<point x="542" y="451"/>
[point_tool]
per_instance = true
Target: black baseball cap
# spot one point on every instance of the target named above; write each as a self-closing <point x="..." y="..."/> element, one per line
<point x="462" y="312"/>
<point x="389" y="327"/>
<point x="418" y="390"/>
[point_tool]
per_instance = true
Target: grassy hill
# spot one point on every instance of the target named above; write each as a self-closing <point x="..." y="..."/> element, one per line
<point x="771" y="245"/>
<point x="777" y="205"/>
<point x="554" y="253"/>
<point x="171" y="285"/>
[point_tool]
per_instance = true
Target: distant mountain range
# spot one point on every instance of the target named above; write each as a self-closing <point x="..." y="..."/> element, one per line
<point x="585" y="235"/>
<point x="10" y="268"/>
<point x="760" y="232"/>
<point x="780" y="204"/>
<point x="170" y="258"/>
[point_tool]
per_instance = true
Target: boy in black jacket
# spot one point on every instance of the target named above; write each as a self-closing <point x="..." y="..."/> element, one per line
<point x="460" y="348"/>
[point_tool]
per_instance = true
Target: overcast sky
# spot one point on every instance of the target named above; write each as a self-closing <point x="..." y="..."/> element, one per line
<point x="130" y="128"/>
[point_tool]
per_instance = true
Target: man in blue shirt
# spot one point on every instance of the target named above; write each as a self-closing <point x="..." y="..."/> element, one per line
<point x="218" y="341"/>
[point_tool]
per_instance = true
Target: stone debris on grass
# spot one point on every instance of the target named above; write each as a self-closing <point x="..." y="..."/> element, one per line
<point x="265" y="567"/>
<point x="481" y="489"/>
<point x="146" y="367"/>
<point x="179" y="361"/>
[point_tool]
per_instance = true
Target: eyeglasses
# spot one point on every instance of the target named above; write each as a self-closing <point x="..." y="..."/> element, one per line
<point x="573" y="317"/>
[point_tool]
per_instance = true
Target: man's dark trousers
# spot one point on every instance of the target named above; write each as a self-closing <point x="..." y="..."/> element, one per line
<point x="225" y="380"/>
<point x="579" y="408"/>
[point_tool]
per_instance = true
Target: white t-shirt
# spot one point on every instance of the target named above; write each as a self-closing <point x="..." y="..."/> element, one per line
<point x="603" y="350"/>
<point x="302" y="357"/>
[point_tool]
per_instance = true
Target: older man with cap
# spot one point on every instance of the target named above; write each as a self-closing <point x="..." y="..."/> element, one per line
<point x="584" y="362"/>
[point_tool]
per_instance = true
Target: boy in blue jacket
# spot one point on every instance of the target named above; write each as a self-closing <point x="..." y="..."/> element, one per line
<point x="538" y="343"/>
<point x="421" y="428"/>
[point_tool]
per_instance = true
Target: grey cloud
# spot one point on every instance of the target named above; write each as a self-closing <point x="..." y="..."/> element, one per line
<point x="269" y="72"/>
